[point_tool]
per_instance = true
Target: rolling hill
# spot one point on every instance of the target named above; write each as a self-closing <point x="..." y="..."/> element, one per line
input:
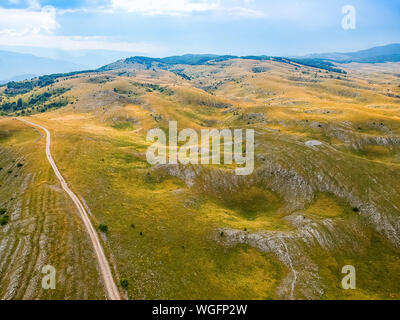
<point x="173" y="63"/>
<point x="324" y="193"/>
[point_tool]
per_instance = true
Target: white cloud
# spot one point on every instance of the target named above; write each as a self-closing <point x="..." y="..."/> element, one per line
<point x="245" y="12"/>
<point x="35" y="27"/>
<point x="33" y="4"/>
<point x="179" y="7"/>
<point x="154" y="7"/>
<point x="24" y="21"/>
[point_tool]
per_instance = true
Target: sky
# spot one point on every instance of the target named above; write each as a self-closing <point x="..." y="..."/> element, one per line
<point x="161" y="28"/>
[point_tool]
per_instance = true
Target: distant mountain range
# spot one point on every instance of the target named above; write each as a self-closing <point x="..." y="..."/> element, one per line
<point x="21" y="77"/>
<point x="17" y="66"/>
<point x="388" y="53"/>
<point x="24" y="66"/>
<point x="87" y="59"/>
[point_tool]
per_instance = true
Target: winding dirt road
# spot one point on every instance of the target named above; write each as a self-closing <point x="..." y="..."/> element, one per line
<point x="111" y="288"/>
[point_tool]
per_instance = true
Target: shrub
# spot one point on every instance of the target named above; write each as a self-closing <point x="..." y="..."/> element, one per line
<point x="103" y="228"/>
<point x="260" y="69"/>
<point x="356" y="209"/>
<point x="19" y="165"/>
<point x="124" y="284"/>
<point x="4" y="220"/>
<point x="2" y="211"/>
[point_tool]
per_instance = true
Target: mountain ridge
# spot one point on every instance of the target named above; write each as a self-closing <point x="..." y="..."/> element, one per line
<point x="14" y="65"/>
<point x="13" y="68"/>
<point x="388" y="53"/>
<point x="379" y="54"/>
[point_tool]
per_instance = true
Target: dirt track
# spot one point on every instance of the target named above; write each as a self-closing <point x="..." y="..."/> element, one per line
<point x="111" y="288"/>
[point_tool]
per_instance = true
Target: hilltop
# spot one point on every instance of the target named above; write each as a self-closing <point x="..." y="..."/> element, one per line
<point x="169" y="63"/>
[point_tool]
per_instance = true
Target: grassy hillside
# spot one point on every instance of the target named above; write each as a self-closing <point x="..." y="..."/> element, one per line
<point x="42" y="227"/>
<point x="202" y="232"/>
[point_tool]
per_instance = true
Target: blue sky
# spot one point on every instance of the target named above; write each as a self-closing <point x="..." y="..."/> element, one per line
<point x="167" y="27"/>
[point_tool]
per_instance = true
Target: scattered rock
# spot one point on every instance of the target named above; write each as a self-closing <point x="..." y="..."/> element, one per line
<point x="313" y="143"/>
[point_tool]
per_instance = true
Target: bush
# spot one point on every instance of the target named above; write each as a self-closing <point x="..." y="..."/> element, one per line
<point x="4" y="220"/>
<point x="124" y="284"/>
<point x="2" y="211"/>
<point x="19" y="165"/>
<point x="260" y="69"/>
<point x="356" y="209"/>
<point x="103" y="228"/>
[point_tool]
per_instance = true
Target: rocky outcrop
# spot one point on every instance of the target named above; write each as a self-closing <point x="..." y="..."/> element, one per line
<point x="293" y="249"/>
<point x="376" y="207"/>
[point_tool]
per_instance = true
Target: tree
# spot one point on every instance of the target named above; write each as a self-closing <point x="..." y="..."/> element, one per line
<point x="124" y="284"/>
<point x="4" y="220"/>
<point x="103" y="228"/>
<point x="20" y="104"/>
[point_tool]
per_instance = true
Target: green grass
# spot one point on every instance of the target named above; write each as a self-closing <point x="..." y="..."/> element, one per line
<point x="123" y="125"/>
<point x="252" y="202"/>
<point x="170" y="237"/>
<point x="377" y="272"/>
<point x="17" y="136"/>
<point x="328" y="206"/>
<point x="38" y="218"/>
